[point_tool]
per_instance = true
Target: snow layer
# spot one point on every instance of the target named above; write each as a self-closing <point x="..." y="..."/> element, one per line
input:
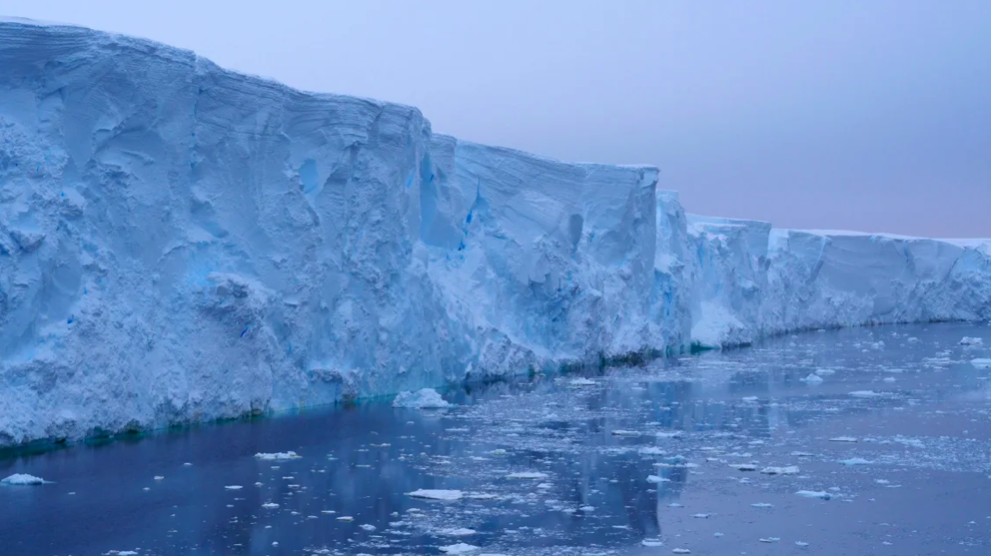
<point x="182" y="243"/>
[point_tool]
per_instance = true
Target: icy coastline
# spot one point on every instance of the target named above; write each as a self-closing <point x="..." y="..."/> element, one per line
<point x="182" y="243"/>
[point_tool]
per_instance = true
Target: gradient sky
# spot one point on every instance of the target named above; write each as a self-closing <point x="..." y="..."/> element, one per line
<point x="872" y="116"/>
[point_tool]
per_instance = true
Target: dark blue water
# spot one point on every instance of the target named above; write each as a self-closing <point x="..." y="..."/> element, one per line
<point x="917" y="478"/>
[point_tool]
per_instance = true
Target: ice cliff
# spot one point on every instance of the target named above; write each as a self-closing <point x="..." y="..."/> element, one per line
<point x="179" y="243"/>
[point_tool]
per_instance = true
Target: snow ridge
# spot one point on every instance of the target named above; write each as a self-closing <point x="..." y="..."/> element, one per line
<point x="182" y="243"/>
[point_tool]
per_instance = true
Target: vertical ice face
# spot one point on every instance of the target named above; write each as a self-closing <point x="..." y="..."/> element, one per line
<point x="832" y="278"/>
<point x="182" y="243"/>
<point x="730" y="260"/>
<point x="178" y="242"/>
<point x="548" y="262"/>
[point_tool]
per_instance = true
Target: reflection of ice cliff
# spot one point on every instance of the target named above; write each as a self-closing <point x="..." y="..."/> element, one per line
<point x="182" y="243"/>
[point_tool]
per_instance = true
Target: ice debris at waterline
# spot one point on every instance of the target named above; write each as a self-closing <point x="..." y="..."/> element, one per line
<point x="425" y="398"/>
<point x="22" y="479"/>
<point x="179" y="242"/>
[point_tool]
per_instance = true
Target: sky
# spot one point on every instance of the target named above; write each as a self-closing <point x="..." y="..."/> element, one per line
<point x="826" y="114"/>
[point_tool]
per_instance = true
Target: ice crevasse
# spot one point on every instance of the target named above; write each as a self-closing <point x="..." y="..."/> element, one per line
<point x="181" y="243"/>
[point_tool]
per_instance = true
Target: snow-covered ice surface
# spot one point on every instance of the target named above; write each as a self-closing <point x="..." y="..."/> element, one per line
<point x="181" y="243"/>
<point x="732" y="447"/>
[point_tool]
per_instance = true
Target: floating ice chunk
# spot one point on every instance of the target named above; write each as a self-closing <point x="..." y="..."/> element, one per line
<point x="277" y="456"/>
<point x="681" y="551"/>
<point x="867" y="394"/>
<point x="981" y="363"/>
<point x="966" y="341"/>
<point x="159" y="478"/>
<point x="812" y="379"/>
<point x="820" y="494"/>
<point x="458" y="532"/>
<point x="788" y="470"/>
<point x="750" y="399"/>
<point x="855" y="461"/>
<point x="582" y="382"/>
<point x="22" y="479"/>
<point x="744" y="466"/>
<point x="367" y="527"/>
<point x="670" y="434"/>
<point x="762" y="505"/>
<point x="625" y="433"/>
<point x="801" y="544"/>
<point x="889" y="379"/>
<point x="654" y="479"/>
<point x="425" y="398"/>
<point x="270" y="505"/>
<point x="701" y="516"/>
<point x="345" y="518"/>
<point x="485" y="495"/>
<point x="770" y="539"/>
<point x="824" y="372"/>
<point x="802" y="454"/>
<point x="843" y="439"/>
<point x="432" y="494"/>
<point x="652" y="451"/>
<point x="652" y="542"/>
<point x="233" y="487"/>
<point x="527" y="475"/>
<point x="460" y="548"/>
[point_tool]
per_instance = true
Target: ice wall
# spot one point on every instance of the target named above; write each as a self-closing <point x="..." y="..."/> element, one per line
<point x="182" y="243"/>
<point x="179" y="242"/>
<point x="546" y="262"/>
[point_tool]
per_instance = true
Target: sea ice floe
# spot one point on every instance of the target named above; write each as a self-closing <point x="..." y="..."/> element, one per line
<point x="277" y="456"/>
<point x="821" y="494"/>
<point x="22" y="479"/>
<point x="867" y="394"/>
<point x="436" y="494"/>
<point x="459" y="548"/>
<point x="788" y="470"/>
<point x="527" y="475"/>
<point x="457" y="532"/>
<point x="981" y="363"/>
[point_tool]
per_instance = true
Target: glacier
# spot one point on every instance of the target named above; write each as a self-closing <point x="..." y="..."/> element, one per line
<point x="181" y="243"/>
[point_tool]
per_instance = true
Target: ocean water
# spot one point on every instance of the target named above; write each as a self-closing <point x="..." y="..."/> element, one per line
<point x="886" y="431"/>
